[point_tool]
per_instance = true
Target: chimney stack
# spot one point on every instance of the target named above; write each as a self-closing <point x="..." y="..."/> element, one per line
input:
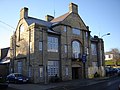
<point x="73" y="8"/>
<point x="24" y="13"/>
<point x="49" y="18"/>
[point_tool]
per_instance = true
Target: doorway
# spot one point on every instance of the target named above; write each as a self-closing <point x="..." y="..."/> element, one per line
<point x="76" y="73"/>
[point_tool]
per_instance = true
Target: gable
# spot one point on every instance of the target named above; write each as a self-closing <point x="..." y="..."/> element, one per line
<point x="74" y="20"/>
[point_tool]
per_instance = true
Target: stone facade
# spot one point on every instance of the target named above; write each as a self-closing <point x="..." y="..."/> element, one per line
<point x="97" y="57"/>
<point x="42" y="49"/>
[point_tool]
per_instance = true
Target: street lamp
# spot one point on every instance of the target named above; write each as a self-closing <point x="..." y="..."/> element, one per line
<point x="105" y="35"/>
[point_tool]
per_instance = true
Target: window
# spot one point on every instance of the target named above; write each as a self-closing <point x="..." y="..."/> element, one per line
<point x="52" y="44"/>
<point x="19" y="67"/>
<point x="66" y="71"/>
<point x="40" y="46"/>
<point x="21" y="30"/>
<point x="65" y="28"/>
<point x="30" y="72"/>
<point x="110" y="56"/>
<point x="86" y="34"/>
<point x="31" y="48"/>
<point x="76" y="31"/>
<point x="94" y="49"/>
<point x="86" y="38"/>
<point x="53" y="68"/>
<point x="30" y="35"/>
<point x="76" y="49"/>
<point x="41" y="71"/>
<point x="65" y="48"/>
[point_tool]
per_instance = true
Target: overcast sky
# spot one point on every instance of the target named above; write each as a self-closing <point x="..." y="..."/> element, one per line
<point x="102" y="16"/>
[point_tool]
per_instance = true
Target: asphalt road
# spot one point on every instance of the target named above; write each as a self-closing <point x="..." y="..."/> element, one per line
<point x="111" y="84"/>
<point x="107" y="84"/>
<point x="9" y="88"/>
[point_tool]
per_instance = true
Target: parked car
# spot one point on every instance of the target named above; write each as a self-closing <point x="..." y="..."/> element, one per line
<point x="3" y="83"/>
<point x="17" y="78"/>
<point x="118" y="71"/>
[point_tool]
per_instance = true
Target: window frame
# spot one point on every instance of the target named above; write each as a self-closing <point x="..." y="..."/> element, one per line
<point x="65" y="48"/>
<point x="75" y="52"/>
<point x="53" y="44"/>
<point x="30" y="71"/>
<point x="65" y="29"/>
<point x="21" y="30"/>
<point x="66" y="71"/>
<point x="40" y="45"/>
<point x="76" y="31"/>
<point x="53" y="68"/>
<point x="94" y="48"/>
<point x="40" y="72"/>
<point x="19" y="68"/>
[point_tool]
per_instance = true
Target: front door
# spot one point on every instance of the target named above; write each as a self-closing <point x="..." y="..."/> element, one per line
<point x="76" y="72"/>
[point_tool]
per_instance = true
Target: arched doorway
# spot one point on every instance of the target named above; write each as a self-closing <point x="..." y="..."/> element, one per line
<point x="76" y="71"/>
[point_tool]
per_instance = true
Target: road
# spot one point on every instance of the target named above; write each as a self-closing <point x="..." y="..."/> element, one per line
<point x="9" y="88"/>
<point x="107" y="84"/>
<point x="111" y="84"/>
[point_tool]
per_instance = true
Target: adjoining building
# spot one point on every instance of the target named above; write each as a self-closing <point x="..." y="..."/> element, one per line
<point x="4" y="61"/>
<point x="59" y="46"/>
<point x="97" y="56"/>
<point x="112" y="59"/>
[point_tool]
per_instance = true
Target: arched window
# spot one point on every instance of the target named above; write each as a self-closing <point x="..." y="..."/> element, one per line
<point x="21" y="29"/>
<point x="76" y="49"/>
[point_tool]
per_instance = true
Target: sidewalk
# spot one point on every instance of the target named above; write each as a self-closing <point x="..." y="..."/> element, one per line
<point x="58" y="86"/>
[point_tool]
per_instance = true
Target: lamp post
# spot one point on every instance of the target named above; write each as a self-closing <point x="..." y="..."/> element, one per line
<point x="102" y="62"/>
<point x="105" y="35"/>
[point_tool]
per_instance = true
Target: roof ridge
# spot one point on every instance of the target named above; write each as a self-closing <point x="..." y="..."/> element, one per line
<point x="31" y="20"/>
<point x="37" y="19"/>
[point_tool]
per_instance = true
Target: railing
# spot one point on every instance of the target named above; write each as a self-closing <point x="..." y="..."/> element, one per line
<point x="76" y="57"/>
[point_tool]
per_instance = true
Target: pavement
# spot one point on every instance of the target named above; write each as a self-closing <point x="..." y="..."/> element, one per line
<point x="65" y="85"/>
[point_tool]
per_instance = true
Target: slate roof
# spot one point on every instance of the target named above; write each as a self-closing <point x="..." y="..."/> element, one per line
<point x="60" y="18"/>
<point x="4" y="52"/>
<point x="5" y="58"/>
<point x="31" y="20"/>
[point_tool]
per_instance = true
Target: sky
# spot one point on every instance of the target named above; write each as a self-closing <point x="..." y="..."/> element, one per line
<point x="102" y="17"/>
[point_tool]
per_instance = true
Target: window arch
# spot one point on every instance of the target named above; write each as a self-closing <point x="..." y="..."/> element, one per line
<point x="76" y="49"/>
<point x="21" y="30"/>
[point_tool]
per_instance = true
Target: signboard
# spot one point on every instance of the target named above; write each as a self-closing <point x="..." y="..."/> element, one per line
<point x="84" y="58"/>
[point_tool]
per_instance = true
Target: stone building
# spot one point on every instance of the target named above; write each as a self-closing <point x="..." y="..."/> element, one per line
<point x="97" y="56"/>
<point x="112" y="58"/>
<point x="58" y="46"/>
<point x="4" y="61"/>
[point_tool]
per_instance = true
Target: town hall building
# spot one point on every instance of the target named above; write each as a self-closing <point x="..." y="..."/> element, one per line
<point x="62" y="46"/>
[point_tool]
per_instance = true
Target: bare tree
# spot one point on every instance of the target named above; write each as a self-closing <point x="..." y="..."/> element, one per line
<point x="116" y="55"/>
